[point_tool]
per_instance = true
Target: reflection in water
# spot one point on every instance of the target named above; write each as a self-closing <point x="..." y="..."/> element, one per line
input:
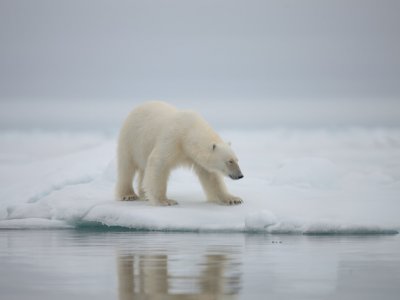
<point x="64" y="265"/>
<point x="149" y="277"/>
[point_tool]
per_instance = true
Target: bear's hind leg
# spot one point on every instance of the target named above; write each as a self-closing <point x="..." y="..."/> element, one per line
<point x="142" y="194"/>
<point x="155" y="180"/>
<point x="124" y="189"/>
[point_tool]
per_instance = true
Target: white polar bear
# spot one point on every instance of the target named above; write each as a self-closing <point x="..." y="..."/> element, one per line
<point x="156" y="138"/>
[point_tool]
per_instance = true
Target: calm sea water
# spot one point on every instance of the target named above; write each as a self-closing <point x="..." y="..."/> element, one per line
<point x="88" y="264"/>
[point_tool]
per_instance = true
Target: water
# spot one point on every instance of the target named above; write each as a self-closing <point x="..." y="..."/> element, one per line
<point x="88" y="264"/>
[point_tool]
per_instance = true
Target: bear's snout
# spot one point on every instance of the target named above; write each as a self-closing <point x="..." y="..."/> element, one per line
<point x="234" y="171"/>
<point x="236" y="177"/>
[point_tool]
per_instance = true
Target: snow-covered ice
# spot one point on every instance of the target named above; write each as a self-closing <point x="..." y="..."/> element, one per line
<point x="309" y="181"/>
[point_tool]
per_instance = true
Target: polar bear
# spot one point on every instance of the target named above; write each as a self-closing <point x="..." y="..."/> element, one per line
<point x="156" y="138"/>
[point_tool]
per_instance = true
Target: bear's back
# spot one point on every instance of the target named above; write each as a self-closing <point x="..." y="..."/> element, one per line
<point x="154" y="109"/>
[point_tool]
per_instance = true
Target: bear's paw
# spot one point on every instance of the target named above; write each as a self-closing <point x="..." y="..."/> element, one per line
<point x="232" y="200"/>
<point x="132" y="197"/>
<point x="165" y="202"/>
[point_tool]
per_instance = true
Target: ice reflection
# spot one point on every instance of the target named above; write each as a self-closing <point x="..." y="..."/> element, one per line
<point x="148" y="276"/>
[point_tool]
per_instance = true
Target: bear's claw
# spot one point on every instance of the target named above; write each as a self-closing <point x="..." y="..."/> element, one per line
<point x="235" y="202"/>
<point x="164" y="202"/>
<point x="232" y="201"/>
<point x="168" y="202"/>
<point x="132" y="197"/>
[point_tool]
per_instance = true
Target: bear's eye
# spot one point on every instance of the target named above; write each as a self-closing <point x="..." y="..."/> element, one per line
<point x="231" y="161"/>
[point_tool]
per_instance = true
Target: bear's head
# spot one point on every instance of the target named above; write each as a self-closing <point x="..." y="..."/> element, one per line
<point x="223" y="160"/>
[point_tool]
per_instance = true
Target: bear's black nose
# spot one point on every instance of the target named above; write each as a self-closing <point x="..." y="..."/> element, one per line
<point x="240" y="176"/>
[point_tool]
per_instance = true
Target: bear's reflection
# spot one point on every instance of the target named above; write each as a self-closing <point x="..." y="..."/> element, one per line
<point x="150" y="277"/>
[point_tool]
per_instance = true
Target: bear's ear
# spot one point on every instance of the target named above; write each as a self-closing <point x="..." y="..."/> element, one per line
<point x="214" y="146"/>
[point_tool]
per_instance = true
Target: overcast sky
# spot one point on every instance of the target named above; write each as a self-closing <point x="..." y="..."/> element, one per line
<point x="209" y="49"/>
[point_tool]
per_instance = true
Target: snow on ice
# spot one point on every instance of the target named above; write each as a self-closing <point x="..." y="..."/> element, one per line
<point x="309" y="181"/>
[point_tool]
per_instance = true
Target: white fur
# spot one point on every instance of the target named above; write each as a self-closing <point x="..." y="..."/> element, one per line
<point x="156" y="138"/>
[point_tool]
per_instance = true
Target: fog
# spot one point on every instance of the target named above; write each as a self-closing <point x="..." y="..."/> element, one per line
<point x="330" y="62"/>
<point x="207" y="49"/>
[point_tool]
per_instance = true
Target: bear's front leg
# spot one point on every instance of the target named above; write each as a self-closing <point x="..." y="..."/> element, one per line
<point x="155" y="180"/>
<point x="215" y="188"/>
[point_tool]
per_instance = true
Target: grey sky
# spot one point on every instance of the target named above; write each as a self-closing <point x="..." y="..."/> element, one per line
<point x="199" y="49"/>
